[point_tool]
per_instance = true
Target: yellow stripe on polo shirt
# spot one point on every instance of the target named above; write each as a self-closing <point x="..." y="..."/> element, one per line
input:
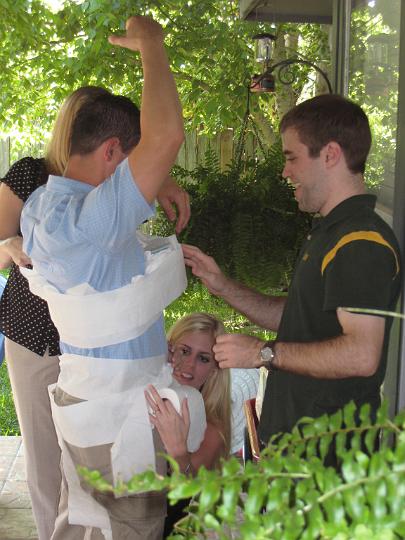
<point x="369" y="236"/>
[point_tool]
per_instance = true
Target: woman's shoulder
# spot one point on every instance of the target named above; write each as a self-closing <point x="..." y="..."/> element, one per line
<point x="25" y="175"/>
<point x="213" y="433"/>
<point x="27" y="167"/>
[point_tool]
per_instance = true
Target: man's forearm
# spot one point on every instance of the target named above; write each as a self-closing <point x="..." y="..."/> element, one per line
<point x="336" y="358"/>
<point x="261" y="309"/>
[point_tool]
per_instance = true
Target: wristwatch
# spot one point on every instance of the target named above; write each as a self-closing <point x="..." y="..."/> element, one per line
<point x="267" y="355"/>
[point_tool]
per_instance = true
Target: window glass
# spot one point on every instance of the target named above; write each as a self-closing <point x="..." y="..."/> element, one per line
<point x="373" y="83"/>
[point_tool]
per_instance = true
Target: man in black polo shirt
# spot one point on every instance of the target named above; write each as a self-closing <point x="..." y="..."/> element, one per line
<point x="324" y="356"/>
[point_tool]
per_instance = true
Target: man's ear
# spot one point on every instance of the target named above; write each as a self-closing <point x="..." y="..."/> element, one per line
<point x="110" y="146"/>
<point x="332" y="153"/>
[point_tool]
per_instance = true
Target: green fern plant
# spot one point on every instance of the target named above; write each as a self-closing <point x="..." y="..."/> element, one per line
<point x="245" y="217"/>
<point x="291" y="493"/>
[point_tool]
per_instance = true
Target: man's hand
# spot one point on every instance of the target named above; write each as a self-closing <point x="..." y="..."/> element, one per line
<point x="237" y="351"/>
<point x="204" y="267"/>
<point x="139" y="31"/>
<point x="171" y="193"/>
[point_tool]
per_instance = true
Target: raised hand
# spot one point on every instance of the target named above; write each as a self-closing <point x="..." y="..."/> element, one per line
<point x="140" y="31"/>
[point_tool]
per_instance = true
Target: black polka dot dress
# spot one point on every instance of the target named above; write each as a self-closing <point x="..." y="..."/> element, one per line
<point x="24" y="318"/>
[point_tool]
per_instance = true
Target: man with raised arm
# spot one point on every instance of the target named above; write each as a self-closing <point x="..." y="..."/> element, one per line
<point x="106" y="285"/>
<point x="324" y="355"/>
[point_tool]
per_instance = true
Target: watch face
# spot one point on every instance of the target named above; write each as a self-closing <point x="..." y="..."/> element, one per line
<point x="267" y="353"/>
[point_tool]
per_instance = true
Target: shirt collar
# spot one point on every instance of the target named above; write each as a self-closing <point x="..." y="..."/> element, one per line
<point x="62" y="184"/>
<point x="346" y="208"/>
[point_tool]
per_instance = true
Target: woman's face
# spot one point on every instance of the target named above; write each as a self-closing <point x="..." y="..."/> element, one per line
<point x="192" y="358"/>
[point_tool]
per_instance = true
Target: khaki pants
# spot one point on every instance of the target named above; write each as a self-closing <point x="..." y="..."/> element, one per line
<point x="137" y="517"/>
<point x="30" y="375"/>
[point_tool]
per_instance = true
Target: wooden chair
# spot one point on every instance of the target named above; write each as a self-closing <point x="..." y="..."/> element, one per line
<point x="251" y="444"/>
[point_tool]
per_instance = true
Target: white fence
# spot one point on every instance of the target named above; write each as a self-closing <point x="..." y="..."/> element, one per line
<point x="191" y="153"/>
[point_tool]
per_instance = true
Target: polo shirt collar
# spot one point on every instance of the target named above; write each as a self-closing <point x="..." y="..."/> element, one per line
<point x="345" y="209"/>
<point x="61" y="184"/>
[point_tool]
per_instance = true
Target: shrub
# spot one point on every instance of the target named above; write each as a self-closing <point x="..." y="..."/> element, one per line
<point x="8" y="418"/>
<point x="291" y="493"/>
<point x="245" y="217"/>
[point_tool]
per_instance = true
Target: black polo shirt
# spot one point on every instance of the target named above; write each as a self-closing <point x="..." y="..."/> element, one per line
<point x="350" y="259"/>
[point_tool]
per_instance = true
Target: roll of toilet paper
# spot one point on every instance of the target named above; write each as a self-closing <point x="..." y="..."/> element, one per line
<point x="198" y="423"/>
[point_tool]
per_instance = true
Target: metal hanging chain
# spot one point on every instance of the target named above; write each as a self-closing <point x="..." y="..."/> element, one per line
<point x="242" y="137"/>
<point x="259" y="136"/>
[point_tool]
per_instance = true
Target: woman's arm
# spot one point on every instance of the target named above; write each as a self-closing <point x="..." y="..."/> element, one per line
<point x="173" y="430"/>
<point x="211" y="449"/>
<point x="10" y="213"/>
<point x="11" y="250"/>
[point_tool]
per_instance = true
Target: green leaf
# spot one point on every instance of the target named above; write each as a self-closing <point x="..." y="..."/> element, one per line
<point x="383" y="413"/>
<point x="211" y="522"/>
<point x="399" y="529"/>
<point x="324" y="445"/>
<point x="365" y="413"/>
<point x="256" y="496"/>
<point x="340" y="441"/>
<point x="185" y="490"/>
<point x="230" y="495"/>
<point x="210" y="493"/>
<point x="348" y="414"/>
<point x="370" y="440"/>
<point x="230" y="467"/>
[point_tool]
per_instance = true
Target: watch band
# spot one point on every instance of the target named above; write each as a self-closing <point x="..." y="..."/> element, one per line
<point x="267" y="355"/>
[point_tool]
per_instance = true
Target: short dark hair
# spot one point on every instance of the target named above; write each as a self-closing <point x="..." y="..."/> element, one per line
<point x="330" y="117"/>
<point x="102" y="118"/>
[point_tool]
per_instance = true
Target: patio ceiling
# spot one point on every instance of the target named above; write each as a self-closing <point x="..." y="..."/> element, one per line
<point x="319" y="11"/>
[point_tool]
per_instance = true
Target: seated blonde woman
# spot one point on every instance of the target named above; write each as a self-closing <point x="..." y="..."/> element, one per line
<point x="190" y="352"/>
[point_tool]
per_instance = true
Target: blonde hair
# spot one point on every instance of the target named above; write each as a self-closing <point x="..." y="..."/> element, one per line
<point x="58" y="149"/>
<point x="216" y="391"/>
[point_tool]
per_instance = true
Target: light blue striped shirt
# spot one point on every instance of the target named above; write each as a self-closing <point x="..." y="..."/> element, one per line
<point x="76" y="233"/>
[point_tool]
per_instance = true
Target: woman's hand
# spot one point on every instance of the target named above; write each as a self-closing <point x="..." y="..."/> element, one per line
<point x="173" y="427"/>
<point x="10" y="214"/>
<point x="13" y="248"/>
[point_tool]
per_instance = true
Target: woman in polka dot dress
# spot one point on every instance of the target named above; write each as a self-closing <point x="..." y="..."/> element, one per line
<point x="32" y="341"/>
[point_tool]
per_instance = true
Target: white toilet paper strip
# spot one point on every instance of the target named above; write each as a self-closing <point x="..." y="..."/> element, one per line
<point x="121" y="420"/>
<point x="80" y="313"/>
<point x="83" y="509"/>
<point x="87" y="378"/>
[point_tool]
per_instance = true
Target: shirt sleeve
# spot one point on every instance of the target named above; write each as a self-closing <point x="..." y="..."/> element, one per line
<point x="361" y="274"/>
<point x="23" y="177"/>
<point x="112" y="212"/>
